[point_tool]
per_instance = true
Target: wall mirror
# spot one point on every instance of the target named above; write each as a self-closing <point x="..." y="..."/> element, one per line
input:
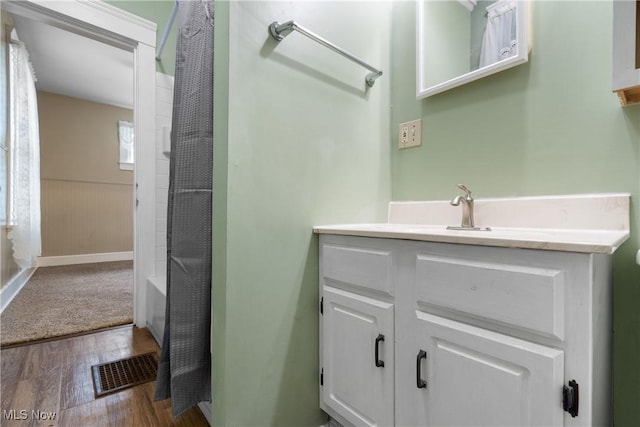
<point x="459" y="41"/>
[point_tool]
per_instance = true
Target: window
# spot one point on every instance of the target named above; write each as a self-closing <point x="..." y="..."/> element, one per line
<point x="126" y="140"/>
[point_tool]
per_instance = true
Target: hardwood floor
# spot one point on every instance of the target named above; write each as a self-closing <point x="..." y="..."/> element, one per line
<point x="54" y="377"/>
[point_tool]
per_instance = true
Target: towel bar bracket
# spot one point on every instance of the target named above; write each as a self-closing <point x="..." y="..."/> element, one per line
<point x="279" y="32"/>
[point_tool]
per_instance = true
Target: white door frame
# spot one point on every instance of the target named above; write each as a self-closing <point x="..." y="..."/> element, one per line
<point x="109" y="24"/>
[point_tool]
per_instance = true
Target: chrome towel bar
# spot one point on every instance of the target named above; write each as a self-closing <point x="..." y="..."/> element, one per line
<point x="280" y="31"/>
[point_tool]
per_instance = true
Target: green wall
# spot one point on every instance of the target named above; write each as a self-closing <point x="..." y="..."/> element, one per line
<point x="157" y="11"/>
<point x="307" y="144"/>
<point x="298" y="144"/>
<point x="447" y="27"/>
<point x="551" y="126"/>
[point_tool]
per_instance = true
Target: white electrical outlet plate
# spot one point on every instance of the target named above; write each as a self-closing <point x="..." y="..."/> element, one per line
<point x="410" y="134"/>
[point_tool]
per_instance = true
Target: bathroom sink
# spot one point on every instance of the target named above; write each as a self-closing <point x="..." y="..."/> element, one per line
<point x="596" y="223"/>
<point x="453" y="227"/>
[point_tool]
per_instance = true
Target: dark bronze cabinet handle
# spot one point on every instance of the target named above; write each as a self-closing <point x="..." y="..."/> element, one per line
<point x="379" y="363"/>
<point x="419" y="381"/>
<point x="571" y="398"/>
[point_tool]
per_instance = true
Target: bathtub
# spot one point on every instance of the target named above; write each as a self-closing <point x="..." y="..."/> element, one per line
<point x="156" y="303"/>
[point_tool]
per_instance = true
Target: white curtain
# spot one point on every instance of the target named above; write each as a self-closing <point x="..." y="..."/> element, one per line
<point x="499" y="40"/>
<point x="24" y="149"/>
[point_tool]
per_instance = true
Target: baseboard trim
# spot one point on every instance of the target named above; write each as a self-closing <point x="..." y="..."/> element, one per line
<point x="51" y="261"/>
<point x="205" y="408"/>
<point x="8" y="293"/>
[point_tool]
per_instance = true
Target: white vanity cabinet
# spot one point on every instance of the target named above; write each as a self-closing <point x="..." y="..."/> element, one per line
<point x="476" y="377"/>
<point x="357" y="356"/>
<point x="473" y="335"/>
<point x="357" y="334"/>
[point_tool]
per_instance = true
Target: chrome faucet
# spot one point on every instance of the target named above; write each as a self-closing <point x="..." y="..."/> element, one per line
<point x="467" y="211"/>
<point x="467" y="206"/>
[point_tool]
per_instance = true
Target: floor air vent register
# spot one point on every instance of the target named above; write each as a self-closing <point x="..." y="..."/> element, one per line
<point x="121" y="374"/>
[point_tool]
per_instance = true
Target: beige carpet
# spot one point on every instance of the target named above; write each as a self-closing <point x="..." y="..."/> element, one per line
<point x="68" y="300"/>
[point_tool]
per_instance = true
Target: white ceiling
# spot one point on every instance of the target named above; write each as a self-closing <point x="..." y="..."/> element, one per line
<point x="76" y="66"/>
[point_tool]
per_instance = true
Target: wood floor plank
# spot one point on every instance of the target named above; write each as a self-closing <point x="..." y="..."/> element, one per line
<point x="12" y="361"/>
<point x="82" y="349"/>
<point x="145" y="346"/>
<point x="91" y="413"/>
<point x="116" y="338"/>
<point x="191" y="418"/>
<point x="24" y="400"/>
<point x="115" y="354"/>
<point x="162" y="408"/>
<point x="77" y="385"/>
<point x="137" y="406"/>
<point x="118" y="409"/>
<point x="55" y="376"/>
<point x="40" y="359"/>
<point x="33" y="363"/>
<point x="47" y="402"/>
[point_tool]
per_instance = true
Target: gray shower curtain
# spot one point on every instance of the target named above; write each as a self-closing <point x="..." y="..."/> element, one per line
<point x="184" y="372"/>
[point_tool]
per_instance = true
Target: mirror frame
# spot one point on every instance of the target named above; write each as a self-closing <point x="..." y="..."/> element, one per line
<point x="523" y="54"/>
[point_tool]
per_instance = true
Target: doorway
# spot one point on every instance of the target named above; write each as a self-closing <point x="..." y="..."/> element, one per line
<point x="117" y="28"/>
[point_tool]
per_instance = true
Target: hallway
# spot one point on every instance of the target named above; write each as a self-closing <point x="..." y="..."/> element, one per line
<point x="54" y="377"/>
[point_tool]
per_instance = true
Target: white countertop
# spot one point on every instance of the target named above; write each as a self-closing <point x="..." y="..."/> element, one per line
<point x="587" y="224"/>
<point x="588" y="241"/>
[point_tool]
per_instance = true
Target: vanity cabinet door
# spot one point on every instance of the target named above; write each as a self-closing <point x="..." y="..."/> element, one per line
<point x="468" y="376"/>
<point x="357" y="351"/>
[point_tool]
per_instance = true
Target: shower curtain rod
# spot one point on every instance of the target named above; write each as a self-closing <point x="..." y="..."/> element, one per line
<point x="280" y="31"/>
<point x="167" y="29"/>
